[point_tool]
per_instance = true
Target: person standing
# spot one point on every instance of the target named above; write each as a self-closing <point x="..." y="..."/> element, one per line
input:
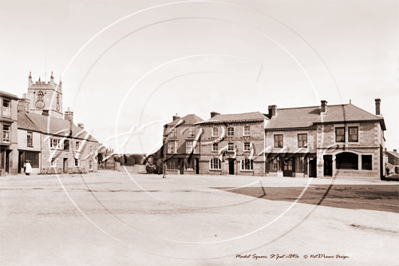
<point x="28" y="168"/>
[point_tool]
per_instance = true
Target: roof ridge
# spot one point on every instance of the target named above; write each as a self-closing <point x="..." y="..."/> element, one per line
<point x="316" y="106"/>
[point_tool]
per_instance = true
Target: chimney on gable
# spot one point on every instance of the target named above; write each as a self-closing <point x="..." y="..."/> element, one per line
<point x="377" y="106"/>
<point x="272" y="110"/>
<point x="45" y="113"/>
<point x="68" y="115"/>
<point x="175" y="117"/>
<point x="81" y="126"/>
<point x="213" y="114"/>
<point x="323" y="108"/>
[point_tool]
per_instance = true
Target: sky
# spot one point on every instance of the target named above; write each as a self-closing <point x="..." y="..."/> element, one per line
<point x="127" y="65"/>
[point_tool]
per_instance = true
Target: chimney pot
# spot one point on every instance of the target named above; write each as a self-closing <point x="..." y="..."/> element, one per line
<point x="213" y="114"/>
<point x="377" y="106"/>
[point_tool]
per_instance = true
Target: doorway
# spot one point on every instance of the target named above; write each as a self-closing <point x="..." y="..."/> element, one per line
<point x="65" y="166"/>
<point x="181" y="166"/>
<point x="313" y="167"/>
<point x="231" y="167"/>
<point x="289" y="166"/>
<point x="8" y="161"/>
<point x="197" y="166"/>
<point x="327" y="165"/>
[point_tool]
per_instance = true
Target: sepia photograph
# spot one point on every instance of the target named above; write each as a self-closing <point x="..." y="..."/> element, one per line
<point x="199" y="132"/>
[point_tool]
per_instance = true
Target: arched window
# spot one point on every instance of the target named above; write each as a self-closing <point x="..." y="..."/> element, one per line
<point x="347" y="160"/>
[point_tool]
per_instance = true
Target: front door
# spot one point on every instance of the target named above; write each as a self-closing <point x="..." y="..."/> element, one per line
<point x="181" y="166"/>
<point x="231" y="167"/>
<point x="65" y="166"/>
<point x="197" y="166"/>
<point x="21" y="162"/>
<point x="327" y="165"/>
<point x="8" y="161"/>
<point x="288" y="167"/>
<point x="313" y="167"/>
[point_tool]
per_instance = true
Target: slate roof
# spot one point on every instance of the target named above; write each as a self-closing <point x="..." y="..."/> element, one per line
<point x="49" y="125"/>
<point x="190" y="119"/>
<point x="303" y="117"/>
<point x="244" y="117"/>
<point x="8" y="95"/>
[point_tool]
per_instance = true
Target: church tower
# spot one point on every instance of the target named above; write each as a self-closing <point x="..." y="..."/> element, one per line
<point x="45" y="97"/>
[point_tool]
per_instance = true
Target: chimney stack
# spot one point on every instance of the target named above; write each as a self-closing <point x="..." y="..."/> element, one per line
<point x="213" y="114"/>
<point x="395" y="150"/>
<point x="323" y="106"/>
<point x="175" y="117"/>
<point x="272" y="110"/>
<point x="45" y="113"/>
<point x="23" y="104"/>
<point x="81" y="126"/>
<point x="68" y="115"/>
<point x="377" y="106"/>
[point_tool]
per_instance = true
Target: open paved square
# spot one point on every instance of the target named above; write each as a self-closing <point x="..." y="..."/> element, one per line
<point x="114" y="218"/>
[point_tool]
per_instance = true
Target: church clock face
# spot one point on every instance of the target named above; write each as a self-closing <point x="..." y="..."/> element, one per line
<point x="40" y="103"/>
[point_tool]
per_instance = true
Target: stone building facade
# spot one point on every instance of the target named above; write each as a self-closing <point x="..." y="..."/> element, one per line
<point x="181" y="145"/>
<point x="232" y="144"/>
<point x="49" y="139"/>
<point x="8" y="134"/>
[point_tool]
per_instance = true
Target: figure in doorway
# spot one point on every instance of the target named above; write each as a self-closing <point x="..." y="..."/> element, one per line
<point x="28" y="168"/>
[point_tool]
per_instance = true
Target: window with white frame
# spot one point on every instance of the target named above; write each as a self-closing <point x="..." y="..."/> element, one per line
<point x="247" y="130"/>
<point x="230" y="147"/>
<point x="230" y="131"/>
<point x="278" y="141"/>
<point x="353" y="134"/>
<point x="172" y="147"/>
<point x="55" y="143"/>
<point x="66" y="145"/>
<point x="6" y="108"/>
<point x="302" y="140"/>
<point x="191" y="131"/>
<point x="77" y="145"/>
<point x="189" y="146"/>
<point x="6" y="133"/>
<point x="247" y="146"/>
<point x="215" y="164"/>
<point x="247" y="165"/>
<point x="90" y="165"/>
<point x="340" y="134"/>
<point x="215" y="147"/>
<point x="215" y="131"/>
<point x="29" y="139"/>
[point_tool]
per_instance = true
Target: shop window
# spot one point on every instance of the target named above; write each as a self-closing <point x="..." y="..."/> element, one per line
<point x="347" y="160"/>
<point x="215" y="164"/>
<point x="367" y="162"/>
<point x="247" y="165"/>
